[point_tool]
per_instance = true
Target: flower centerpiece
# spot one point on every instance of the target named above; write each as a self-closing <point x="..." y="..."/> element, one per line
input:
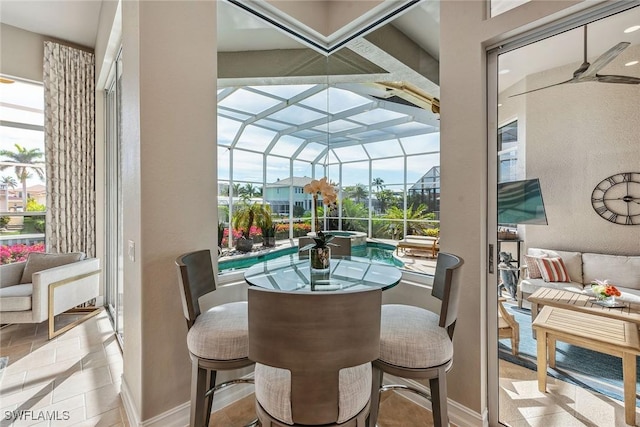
<point x="603" y="290"/>
<point x="324" y="188"/>
<point x="319" y="250"/>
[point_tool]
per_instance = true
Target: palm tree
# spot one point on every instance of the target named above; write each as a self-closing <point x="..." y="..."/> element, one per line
<point x="379" y="183"/>
<point x="385" y="198"/>
<point x="25" y="161"/>
<point x="249" y="190"/>
<point x="10" y="183"/>
<point x="235" y="190"/>
<point x="357" y="192"/>
<point x="415" y="220"/>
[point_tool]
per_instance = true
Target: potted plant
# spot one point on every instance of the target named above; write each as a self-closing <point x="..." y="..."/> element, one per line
<point x="246" y="216"/>
<point x="264" y="221"/>
<point x="269" y="235"/>
<point x="221" y="228"/>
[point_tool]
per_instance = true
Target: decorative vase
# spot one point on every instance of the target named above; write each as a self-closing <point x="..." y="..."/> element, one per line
<point x="608" y="301"/>
<point x="319" y="258"/>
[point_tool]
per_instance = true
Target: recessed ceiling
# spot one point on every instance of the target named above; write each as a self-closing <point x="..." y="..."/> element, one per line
<point x="73" y="21"/>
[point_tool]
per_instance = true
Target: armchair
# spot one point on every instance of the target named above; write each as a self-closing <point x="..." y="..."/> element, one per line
<point x="47" y="285"/>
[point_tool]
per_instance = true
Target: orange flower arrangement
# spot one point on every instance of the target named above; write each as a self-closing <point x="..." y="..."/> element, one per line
<point x="324" y="188"/>
<point x="603" y="289"/>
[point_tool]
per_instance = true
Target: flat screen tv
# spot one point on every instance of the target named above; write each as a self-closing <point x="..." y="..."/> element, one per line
<point x="520" y="202"/>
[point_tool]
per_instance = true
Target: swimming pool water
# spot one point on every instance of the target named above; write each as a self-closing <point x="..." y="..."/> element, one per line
<point x="374" y="251"/>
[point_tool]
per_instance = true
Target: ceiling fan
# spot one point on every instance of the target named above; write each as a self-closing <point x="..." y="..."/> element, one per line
<point x="589" y="72"/>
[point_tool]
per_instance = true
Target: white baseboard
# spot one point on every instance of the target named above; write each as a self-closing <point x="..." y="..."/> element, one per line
<point x="459" y="415"/>
<point x="127" y="402"/>
<point x="179" y="415"/>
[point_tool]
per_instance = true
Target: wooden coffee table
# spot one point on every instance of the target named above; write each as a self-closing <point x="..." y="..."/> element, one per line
<point x="577" y="323"/>
<point x="582" y="303"/>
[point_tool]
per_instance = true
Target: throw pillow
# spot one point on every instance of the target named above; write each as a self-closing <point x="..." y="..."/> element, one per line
<point x="38" y="261"/>
<point x="532" y="266"/>
<point x="553" y="270"/>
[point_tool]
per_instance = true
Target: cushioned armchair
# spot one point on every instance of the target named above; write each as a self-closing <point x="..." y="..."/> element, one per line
<point x="46" y="285"/>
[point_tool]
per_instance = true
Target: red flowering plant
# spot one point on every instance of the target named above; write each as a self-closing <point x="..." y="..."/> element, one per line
<point x="18" y="252"/>
<point x="603" y="289"/>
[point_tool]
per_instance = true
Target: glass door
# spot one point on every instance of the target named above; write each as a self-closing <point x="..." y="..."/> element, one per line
<point x="114" y="241"/>
<point x="558" y="126"/>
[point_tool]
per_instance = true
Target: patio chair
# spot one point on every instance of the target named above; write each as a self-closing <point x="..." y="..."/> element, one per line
<point x="46" y="285"/>
<point x="508" y="326"/>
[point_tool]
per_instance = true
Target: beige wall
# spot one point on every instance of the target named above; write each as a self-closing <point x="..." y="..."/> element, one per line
<point x="21" y="53"/>
<point x="576" y="136"/>
<point x="169" y="105"/>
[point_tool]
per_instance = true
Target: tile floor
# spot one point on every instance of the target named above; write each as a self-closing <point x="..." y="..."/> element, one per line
<point x="80" y="372"/>
<point x="74" y="377"/>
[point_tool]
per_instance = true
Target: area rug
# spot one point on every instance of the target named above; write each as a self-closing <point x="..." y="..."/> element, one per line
<point x="592" y="370"/>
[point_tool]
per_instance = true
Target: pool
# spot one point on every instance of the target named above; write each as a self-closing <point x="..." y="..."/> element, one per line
<point x="379" y="252"/>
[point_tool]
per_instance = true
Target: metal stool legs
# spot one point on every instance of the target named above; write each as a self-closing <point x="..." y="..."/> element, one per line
<point x="438" y="397"/>
<point x="202" y="391"/>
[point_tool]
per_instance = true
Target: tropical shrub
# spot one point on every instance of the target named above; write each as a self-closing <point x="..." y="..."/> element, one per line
<point x="18" y="252"/>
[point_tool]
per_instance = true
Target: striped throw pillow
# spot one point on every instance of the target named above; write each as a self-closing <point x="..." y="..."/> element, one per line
<point x="553" y="270"/>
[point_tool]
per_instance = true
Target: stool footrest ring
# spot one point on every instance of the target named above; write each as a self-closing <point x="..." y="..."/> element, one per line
<point x="227" y="384"/>
<point x="405" y="388"/>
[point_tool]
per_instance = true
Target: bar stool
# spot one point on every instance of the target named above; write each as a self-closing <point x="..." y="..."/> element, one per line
<point x="416" y="343"/>
<point x="217" y="339"/>
<point x="313" y="353"/>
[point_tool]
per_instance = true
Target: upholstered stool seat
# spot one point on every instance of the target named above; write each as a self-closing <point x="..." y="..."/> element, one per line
<point x="221" y="333"/>
<point x="273" y="391"/>
<point x="217" y="339"/>
<point x="410" y="337"/>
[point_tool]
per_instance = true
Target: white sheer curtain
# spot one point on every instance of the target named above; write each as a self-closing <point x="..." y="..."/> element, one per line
<point x="69" y="91"/>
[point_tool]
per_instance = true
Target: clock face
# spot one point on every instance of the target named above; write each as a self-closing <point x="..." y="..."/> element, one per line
<point x="617" y="198"/>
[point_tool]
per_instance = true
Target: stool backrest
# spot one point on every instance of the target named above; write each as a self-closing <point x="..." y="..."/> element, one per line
<point x="196" y="278"/>
<point x="447" y="290"/>
<point x="314" y="335"/>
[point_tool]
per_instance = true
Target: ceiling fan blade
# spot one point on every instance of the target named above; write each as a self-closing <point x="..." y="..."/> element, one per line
<point x="544" y="87"/>
<point x="604" y="59"/>
<point x="610" y="78"/>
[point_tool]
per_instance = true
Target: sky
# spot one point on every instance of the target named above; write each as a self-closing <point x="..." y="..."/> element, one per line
<point x="284" y="128"/>
<point x="248" y="166"/>
<point x="29" y="98"/>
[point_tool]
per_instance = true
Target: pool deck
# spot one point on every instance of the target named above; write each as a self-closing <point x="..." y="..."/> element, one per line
<point x="416" y="262"/>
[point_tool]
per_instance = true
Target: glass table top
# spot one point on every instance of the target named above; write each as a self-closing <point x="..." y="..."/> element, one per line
<point x="290" y="273"/>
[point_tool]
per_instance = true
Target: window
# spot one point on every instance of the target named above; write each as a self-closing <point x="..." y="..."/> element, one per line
<point x="384" y="155"/>
<point x="22" y="170"/>
<point x="508" y="152"/>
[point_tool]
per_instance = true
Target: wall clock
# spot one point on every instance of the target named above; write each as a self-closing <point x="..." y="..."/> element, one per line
<point x="617" y="198"/>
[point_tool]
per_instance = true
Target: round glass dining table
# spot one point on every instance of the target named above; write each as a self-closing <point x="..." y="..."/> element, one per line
<point x="291" y="273"/>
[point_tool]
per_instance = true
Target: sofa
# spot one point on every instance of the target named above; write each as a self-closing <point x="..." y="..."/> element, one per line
<point x="46" y="285"/>
<point x="583" y="268"/>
